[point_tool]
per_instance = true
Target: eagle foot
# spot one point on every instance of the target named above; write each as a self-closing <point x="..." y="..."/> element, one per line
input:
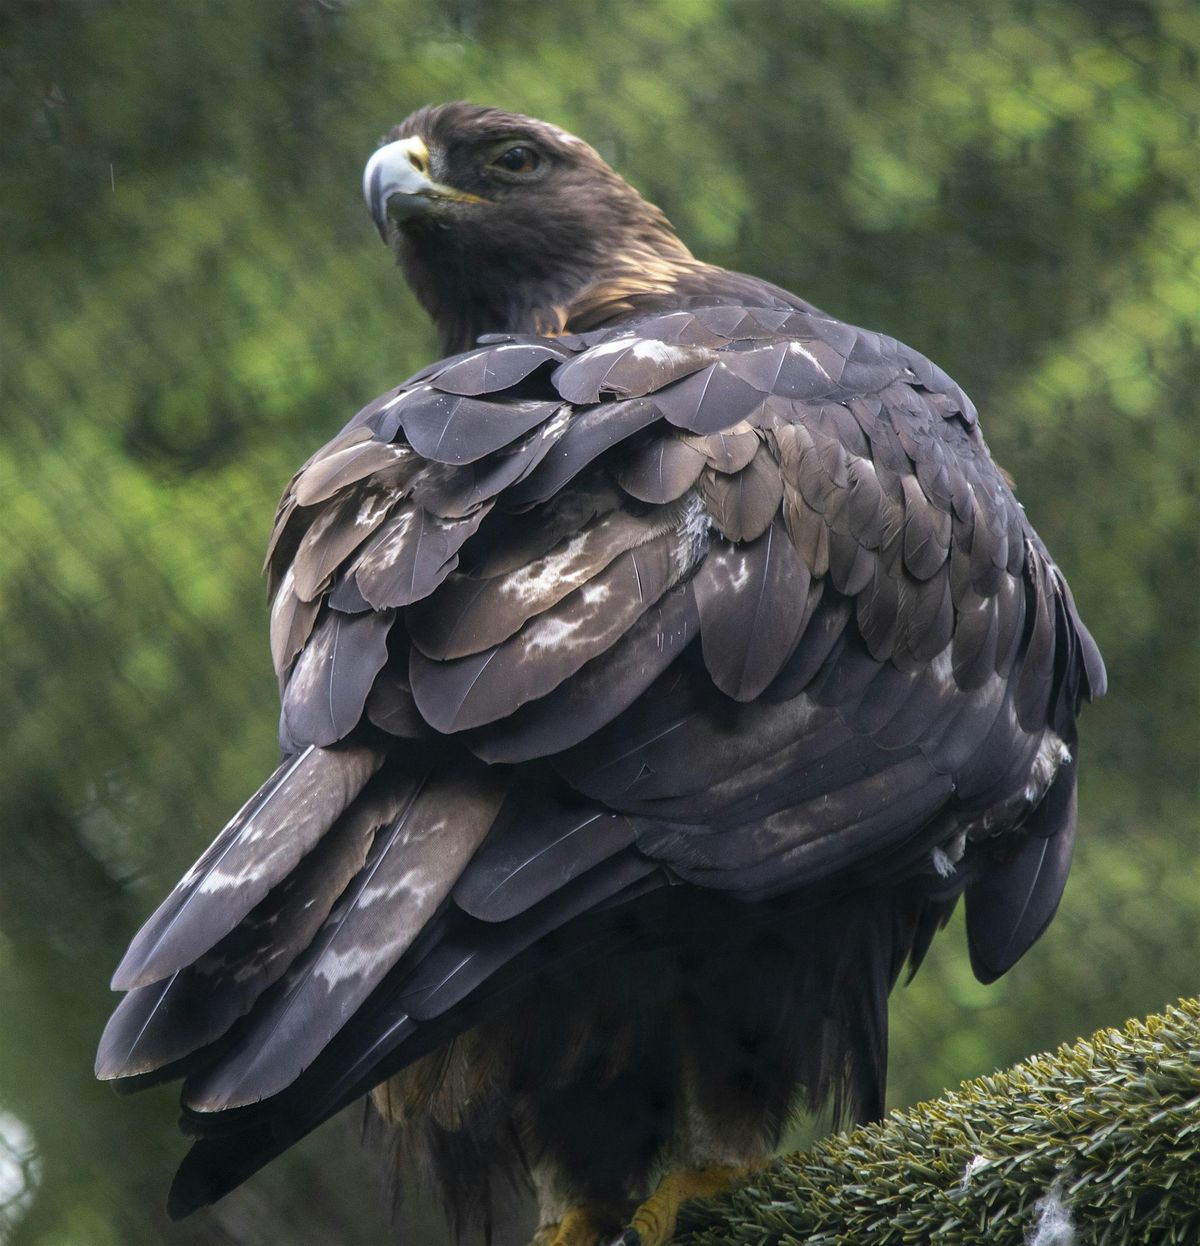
<point x="653" y="1223"/>
<point x="581" y="1226"/>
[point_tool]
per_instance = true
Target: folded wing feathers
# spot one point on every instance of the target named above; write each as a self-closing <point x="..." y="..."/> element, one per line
<point x="742" y="504"/>
<point x="411" y="555"/>
<point x="331" y="472"/>
<point x="291" y="625"/>
<point x="1010" y="905"/>
<point x="483" y="687"/>
<point x="468" y="614"/>
<point x="412" y="865"/>
<point x="474" y="484"/>
<point x="539" y="844"/>
<point x="259" y="847"/>
<point x="661" y="470"/>
<point x="450" y="428"/>
<point x="810" y="840"/>
<point x="727" y="451"/>
<point x="600" y="690"/>
<point x="551" y="524"/>
<point x="159" y="1024"/>
<point x="752" y="599"/>
<point x="328" y="687"/>
<point x="333" y="535"/>
<point x="588" y="435"/>
<point x="627" y="367"/>
<point x="498" y="369"/>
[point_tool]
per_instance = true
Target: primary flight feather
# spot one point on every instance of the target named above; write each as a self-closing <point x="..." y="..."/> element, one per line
<point x="658" y="669"/>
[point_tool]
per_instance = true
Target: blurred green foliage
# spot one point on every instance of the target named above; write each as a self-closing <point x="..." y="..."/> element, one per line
<point x="192" y="299"/>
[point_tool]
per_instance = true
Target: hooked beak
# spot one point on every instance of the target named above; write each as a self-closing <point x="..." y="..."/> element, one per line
<point x="397" y="185"/>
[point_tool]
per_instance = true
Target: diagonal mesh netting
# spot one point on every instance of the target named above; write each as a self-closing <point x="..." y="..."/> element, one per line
<point x="192" y="299"/>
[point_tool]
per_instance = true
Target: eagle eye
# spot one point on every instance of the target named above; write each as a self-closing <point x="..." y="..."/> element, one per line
<point x="519" y="159"/>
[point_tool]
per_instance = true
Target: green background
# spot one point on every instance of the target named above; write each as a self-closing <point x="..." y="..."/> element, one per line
<point x="192" y="299"/>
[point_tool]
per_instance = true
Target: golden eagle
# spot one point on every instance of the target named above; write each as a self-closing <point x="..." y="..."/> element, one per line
<point x="658" y="669"/>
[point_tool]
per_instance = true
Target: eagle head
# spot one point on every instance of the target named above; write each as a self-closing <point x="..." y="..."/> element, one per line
<point x="501" y="222"/>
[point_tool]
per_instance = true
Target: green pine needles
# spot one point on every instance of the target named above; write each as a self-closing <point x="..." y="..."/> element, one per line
<point x="1097" y="1143"/>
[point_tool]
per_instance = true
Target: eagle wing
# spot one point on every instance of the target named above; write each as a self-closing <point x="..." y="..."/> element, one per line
<point x="731" y="596"/>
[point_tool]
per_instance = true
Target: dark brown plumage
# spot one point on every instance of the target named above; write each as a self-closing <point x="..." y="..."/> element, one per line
<point x="656" y="675"/>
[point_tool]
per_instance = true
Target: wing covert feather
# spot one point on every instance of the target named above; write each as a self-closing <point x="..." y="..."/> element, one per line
<point x="482" y="687"/>
<point x="753" y="601"/>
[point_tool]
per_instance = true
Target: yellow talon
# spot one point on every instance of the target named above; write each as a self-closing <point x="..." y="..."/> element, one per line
<point x="654" y="1221"/>
<point x="579" y="1227"/>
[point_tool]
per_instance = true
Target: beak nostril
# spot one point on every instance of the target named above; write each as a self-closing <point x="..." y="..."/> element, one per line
<point x="418" y="162"/>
